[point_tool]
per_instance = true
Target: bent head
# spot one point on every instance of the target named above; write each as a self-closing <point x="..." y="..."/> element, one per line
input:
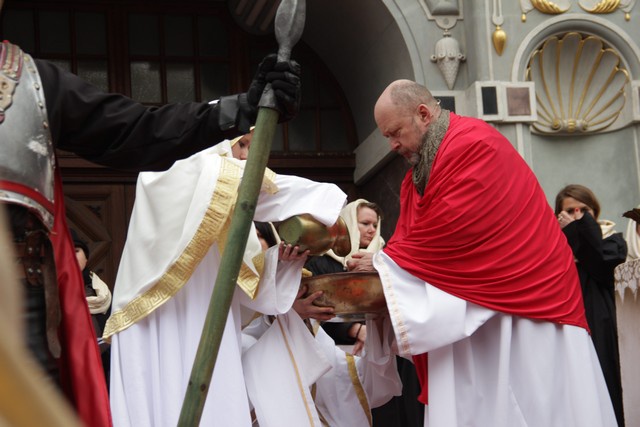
<point x="240" y="150"/>
<point x="403" y="114"/>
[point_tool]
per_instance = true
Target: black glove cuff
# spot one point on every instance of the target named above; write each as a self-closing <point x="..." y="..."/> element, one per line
<point x="236" y="112"/>
<point x="247" y="114"/>
<point x="228" y="108"/>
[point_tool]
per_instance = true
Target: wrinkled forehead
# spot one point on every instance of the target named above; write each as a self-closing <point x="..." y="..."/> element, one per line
<point x="386" y="112"/>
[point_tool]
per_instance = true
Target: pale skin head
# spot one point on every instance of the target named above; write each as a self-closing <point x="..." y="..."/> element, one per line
<point x="240" y="150"/>
<point x="367" y="225"/>
<point x="404" y="111"/>
<point x="82" y="258"/>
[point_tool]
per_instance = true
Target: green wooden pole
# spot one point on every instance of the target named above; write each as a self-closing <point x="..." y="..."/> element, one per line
<point x="230" y="263"/>
<point x="289" y="23"/>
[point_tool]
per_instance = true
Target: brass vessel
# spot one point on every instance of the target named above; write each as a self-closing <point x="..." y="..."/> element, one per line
<point x="309" y="233"/>
<point x="354" y="295"/>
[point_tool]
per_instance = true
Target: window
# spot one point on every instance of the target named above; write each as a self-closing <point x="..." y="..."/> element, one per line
<point x="160" y="53"/>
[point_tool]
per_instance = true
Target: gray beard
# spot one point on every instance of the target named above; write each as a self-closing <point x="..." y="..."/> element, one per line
<point x="423" y="160"/>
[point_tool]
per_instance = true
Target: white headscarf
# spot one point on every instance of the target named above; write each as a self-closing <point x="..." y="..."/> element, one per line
<point x="350" y="216"/>
<point x="607" y="227"/>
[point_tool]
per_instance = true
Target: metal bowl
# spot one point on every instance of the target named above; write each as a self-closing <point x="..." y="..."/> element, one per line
<point x="354" y="296"/>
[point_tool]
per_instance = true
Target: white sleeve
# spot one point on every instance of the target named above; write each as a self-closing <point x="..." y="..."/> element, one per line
<point x="346" y="394"/>
<point x="296" y="196"/>
<point x="377" y="367"/>
<point x="279" y="285"/>
<point x="424" y="317"/>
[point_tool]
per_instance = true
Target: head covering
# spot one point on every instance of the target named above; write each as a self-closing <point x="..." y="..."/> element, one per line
<point x="607" y="227"/>
<point x="79" y="243"/>
<point x="350" y="216"/>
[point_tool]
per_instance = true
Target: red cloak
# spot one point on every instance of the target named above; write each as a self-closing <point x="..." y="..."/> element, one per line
<point x="484" y="232"/>
<point x="81" y="373"/>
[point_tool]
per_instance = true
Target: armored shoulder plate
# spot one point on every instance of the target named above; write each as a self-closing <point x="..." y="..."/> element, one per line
<point x="27" y="159"/>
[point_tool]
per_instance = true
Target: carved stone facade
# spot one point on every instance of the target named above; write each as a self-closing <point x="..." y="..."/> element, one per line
<point x="559" y="79"/>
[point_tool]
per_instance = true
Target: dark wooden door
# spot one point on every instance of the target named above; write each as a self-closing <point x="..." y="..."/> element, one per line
<point x="100" y="215"/>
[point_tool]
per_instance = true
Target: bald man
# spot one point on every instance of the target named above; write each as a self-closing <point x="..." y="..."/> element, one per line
<point x="481" y="285"/>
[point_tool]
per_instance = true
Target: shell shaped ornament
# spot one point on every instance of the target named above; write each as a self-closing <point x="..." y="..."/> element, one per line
<point x="580" y="85"/>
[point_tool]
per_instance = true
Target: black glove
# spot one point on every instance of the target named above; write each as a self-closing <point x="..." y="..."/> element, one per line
<point x="285" y="81"/>
<point x="241" y="110"/>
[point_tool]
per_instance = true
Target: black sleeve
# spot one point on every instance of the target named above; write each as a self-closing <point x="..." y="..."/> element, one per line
<point x="585" y="238"/>
<point x="596" y="255"/>
<point x="115" y="131"/>
<point x="339" y="332"/>
<point x="614" y="250"/>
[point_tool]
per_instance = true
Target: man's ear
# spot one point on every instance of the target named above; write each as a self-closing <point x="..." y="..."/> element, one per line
<point x="424" y="114"/>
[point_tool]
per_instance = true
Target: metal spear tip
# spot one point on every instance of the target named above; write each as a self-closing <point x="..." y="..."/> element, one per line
<point x="289" y="23"/>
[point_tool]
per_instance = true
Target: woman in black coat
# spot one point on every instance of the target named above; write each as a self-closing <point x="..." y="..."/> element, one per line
<point x="597" y="250"/>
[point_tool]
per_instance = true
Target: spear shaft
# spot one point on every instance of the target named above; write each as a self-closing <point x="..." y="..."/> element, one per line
<point x="289" y="23"/>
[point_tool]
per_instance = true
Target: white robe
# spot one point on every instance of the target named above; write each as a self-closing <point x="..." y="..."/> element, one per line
<point x="489" y="369"/>
<point x="284" y="356"/>
<point x="156" y="329"/>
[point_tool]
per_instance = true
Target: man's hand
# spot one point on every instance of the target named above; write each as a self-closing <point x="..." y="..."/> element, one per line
<point x="241" y="110"/>
<point x="358" y="331"/>
<point x="285" y="81"/>
<point x="361" y="261"/>
<point x="305" y="308"/>
<point x="287" y="87"/>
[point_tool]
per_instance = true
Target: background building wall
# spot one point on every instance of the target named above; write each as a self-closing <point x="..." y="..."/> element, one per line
<point x="607" y="162"/>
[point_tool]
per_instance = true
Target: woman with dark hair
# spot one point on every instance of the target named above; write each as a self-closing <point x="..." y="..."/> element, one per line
<point x="597" y="250"/>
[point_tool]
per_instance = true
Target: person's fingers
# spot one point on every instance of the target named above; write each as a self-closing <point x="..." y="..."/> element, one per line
<point x="301" y="291"/>
<point x="312" y="297"/>
<point x="357" y="347"/>
<point x="321" y="310"/>
<point x="323" y="317"/>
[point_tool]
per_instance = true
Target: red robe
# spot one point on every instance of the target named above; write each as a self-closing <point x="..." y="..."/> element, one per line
<point x="81" y="371"/>
<point x="484" y="232"/>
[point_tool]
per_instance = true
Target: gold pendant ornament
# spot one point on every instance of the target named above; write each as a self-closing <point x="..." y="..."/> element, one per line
<point x="499" y="39"/>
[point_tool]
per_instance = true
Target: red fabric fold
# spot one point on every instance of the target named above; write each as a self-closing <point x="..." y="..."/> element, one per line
<point x="484" y="232"/>
<point x="81" y="371"/>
